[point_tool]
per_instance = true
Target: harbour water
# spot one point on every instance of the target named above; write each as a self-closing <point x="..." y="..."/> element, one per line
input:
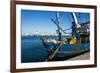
<point x="33" y="50"/>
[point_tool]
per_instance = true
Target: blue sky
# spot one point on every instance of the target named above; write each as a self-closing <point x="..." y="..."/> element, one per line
<point x="33" y="21"/>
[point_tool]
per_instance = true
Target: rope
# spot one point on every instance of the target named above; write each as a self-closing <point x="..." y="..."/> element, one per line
<point x="53" y="54"/>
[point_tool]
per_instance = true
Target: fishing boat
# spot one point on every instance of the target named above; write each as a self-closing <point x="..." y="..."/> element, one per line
<point x="79" y="39"/>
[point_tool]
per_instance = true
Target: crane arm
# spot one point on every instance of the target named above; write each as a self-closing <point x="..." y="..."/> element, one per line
<point x="75" y="19"/>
